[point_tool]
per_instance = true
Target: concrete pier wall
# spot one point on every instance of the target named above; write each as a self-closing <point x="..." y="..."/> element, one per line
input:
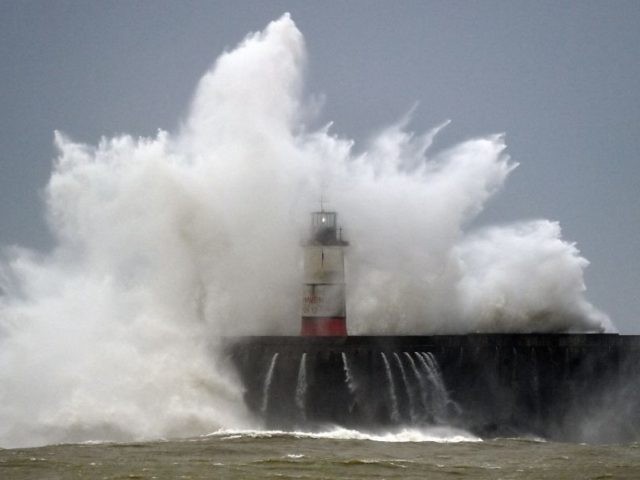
<point x="564" y="386"/>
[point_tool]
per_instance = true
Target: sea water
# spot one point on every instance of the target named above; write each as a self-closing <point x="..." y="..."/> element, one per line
<point x="435" y="453"/>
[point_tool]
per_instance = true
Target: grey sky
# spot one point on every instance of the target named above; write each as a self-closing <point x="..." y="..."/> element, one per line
<point x="560" y="78"/>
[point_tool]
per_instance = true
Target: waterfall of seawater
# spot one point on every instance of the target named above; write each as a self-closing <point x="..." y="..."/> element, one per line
<point x="395" y="413"/>
<point x="405" y="380"/>
<point x="440" y="395"/>
<point x="301" y="386"/>
<point x="427" y="397"/>
<point x="348" y="376"/>
<point x="267" y="383"/>
<point x="421" y="384"/>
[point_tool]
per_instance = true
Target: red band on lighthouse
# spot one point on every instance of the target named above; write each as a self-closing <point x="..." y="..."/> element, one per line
<point x="324" y="326"/>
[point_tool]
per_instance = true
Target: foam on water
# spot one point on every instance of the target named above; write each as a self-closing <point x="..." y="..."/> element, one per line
<point x="294" y="456"/>
<point x="438" y="434"/>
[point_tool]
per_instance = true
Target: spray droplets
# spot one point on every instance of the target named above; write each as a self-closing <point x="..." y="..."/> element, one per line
<point x="165" y="242"/>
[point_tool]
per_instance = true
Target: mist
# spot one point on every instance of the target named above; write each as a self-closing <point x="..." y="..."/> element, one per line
<point x="165" y="245"/>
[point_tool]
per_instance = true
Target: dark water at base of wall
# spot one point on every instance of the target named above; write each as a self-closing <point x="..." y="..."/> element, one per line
<point x="335" y="454"/>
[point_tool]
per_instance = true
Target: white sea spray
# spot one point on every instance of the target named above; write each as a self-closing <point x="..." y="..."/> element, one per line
<point x="164" y="244"/>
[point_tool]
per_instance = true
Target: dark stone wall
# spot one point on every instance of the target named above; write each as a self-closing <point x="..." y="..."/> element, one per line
<point x="560" y="386"/>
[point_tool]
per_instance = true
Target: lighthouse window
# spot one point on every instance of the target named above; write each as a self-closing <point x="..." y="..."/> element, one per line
<point x="323" y="220"/>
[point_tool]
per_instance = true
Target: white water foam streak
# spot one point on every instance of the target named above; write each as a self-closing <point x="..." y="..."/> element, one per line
<point x="266" y="387"/>
<point x="407" y="387"/>
<point x="393" y="397"/>
<point x="348" y="376"/>
<point x="405" y="435"/>
<point x="301" y="386"/>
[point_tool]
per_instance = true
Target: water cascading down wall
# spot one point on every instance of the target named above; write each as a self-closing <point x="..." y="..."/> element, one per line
<point x="560" y="386"/>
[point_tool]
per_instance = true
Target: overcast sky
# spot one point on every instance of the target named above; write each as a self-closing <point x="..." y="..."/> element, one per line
<point x="561" y="79"/>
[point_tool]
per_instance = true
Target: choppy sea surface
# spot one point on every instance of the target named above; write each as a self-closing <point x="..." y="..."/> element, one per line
<point x="436" y="453"/>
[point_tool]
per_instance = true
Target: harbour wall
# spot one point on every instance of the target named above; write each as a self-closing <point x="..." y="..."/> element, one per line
<point x="576" y="387"/>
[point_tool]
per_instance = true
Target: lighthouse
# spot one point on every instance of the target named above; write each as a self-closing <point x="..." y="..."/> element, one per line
<point x="324" y="311"/>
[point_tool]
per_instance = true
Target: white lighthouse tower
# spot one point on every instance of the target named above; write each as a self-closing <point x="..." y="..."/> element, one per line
<point x="324" y="311"/>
